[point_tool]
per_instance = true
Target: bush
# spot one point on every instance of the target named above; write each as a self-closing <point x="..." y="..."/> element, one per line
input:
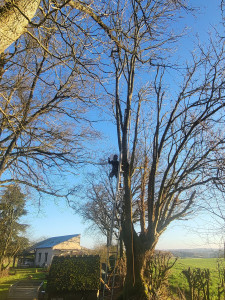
<point x="156" y="272"/>
<point x="74" y="273"/>
<point x="199" y="283"/>
<point x="201" y="286"/>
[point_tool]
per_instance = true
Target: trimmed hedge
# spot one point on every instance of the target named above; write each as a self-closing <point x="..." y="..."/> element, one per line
<point x="74" y="274"/>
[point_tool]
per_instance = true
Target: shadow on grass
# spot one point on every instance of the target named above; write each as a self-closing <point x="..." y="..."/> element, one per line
<point x="4" y="290"/>
<point x="19" y="274"/>
<point x="179" y="294"/>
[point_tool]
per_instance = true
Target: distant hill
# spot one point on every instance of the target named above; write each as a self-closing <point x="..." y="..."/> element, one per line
<point x="198" y="253"/>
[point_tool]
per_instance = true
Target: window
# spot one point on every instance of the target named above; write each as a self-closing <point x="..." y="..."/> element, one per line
<point x="39" y="257"/>
<point x="46" y="256"/>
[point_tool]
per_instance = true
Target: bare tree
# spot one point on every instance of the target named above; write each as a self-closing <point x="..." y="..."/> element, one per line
<point x="20" y="16"/>
<point x="95" y="204"/>
<point x="97" y="198"/>
<point x="44" y="100"/>
<point x="183" y="142"/>
<point x="187" y="147"/>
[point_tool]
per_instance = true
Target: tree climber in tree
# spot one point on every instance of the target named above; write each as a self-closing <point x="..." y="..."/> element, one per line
<point x="115" y="166"/>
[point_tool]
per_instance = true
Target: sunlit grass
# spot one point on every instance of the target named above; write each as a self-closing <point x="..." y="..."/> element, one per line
<point x="178" y="281"/>
<point x="19" y="274"/>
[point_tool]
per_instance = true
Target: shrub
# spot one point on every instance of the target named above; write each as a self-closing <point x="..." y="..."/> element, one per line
<point x="199" y="283"/>
<point x="74" y="273"/>
<point x="156" y="272"/>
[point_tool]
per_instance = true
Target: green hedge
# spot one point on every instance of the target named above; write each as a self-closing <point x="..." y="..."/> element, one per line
<point x="74" y="273"/>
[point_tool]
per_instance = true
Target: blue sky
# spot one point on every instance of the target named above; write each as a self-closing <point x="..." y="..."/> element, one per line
<point x="57" y="218"/>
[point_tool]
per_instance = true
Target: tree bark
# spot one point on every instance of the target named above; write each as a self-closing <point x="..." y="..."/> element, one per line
<point x="136" y="248"/>
<point x="14" y="17"/>
<point x="135" y="284"/>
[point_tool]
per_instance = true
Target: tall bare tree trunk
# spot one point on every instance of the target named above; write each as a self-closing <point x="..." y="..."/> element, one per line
<point x="135" y="246"/>
<point x="134" y="283"/>
<point x="14" y="17"/>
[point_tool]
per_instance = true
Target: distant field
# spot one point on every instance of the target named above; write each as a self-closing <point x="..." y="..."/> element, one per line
<point x="177" y="279"/>
<point x="5" y="282"/>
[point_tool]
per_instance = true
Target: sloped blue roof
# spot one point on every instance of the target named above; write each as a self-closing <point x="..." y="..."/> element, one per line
<point x="51" y="242"/>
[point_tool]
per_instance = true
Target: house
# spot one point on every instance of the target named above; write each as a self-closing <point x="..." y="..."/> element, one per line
<point x="43" y="252"/>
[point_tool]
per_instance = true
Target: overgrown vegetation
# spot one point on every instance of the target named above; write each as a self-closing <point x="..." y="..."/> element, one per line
<point x="156" y="272"/>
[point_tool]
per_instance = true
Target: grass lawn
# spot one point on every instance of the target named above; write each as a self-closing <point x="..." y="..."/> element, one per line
<point x="177" y="279"/>
<point x="19" y="274"/>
